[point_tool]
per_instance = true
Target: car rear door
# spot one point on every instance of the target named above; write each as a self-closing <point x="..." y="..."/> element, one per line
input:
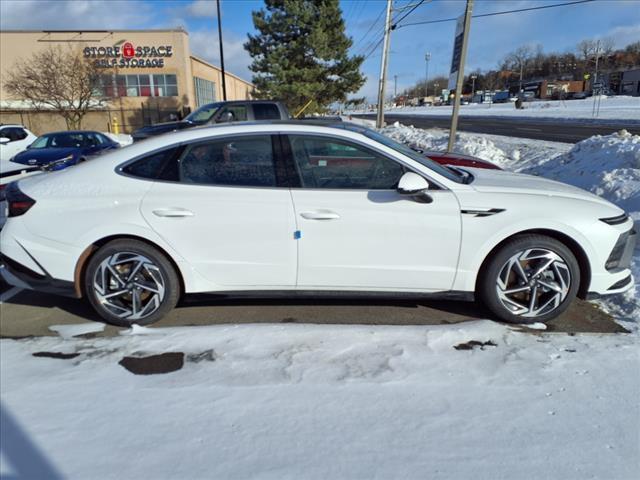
<point x="229" y="214"/>
<point x="357" y="232"/>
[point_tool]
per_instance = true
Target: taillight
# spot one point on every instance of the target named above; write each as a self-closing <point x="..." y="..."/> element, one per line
<point x="18" y="202"/>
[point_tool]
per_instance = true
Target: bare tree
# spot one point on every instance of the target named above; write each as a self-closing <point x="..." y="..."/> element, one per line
<point x="520" y="59"/>
<point x="60" y="79"/>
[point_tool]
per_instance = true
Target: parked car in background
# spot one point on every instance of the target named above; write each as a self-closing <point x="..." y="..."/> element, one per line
<point x="219" y="112"/>
<point x="297" y="207"/>
<point x="457" y="159"/>
<point x="14" y="138"/>
<point x="61" y="149"/>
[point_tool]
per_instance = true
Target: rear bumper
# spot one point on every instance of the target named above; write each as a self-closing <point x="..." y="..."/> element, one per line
<point x="18" y="275"/>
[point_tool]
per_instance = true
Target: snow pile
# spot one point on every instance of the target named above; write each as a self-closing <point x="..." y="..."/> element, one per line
<point x="608" y="166"/>
<point x="507" y="152"/>
<point x="290" y="401"/>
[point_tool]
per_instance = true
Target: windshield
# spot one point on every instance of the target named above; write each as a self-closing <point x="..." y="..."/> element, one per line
<point x="66" y="140"/>
<point x="204" y="113"/>
<point x="399" y="147"/>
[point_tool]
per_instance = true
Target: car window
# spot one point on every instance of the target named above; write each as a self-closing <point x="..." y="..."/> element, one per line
<point x="13" y="133"/>
<point x="155" y="166"/>
<point x="266" y="111"/>
<point x="323" y="162"/>
<point x="238" y="112"/>
<point x="204" y="113"/>
<point x="41" y="142"/>
<point x="237" y="161"/>
<point x="67" y="140"/>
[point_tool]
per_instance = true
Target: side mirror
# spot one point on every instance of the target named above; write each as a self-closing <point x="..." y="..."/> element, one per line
<point x="4" y="140"/>
<point x="416" y="186"/>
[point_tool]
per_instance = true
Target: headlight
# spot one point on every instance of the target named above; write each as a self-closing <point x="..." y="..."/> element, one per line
<point x="620" y="219"/>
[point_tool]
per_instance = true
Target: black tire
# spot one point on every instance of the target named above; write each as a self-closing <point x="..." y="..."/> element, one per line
<point x="159" y="267"/>
<point x="487" y="286"/>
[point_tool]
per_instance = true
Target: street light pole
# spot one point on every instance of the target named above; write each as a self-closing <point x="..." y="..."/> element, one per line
<point x="383" y="66"/>
<point x="395" y="86"/>
<point x="473" y="86"/>
<point x="427" y="57"/>
<point x="224" y="81"/>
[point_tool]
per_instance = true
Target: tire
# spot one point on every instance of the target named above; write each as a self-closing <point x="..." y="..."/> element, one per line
<point x="508" y="279"/>
<point x="147" y="281"/>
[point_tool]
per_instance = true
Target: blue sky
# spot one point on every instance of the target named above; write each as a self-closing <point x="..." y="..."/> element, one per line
<point x="557" y="29"/>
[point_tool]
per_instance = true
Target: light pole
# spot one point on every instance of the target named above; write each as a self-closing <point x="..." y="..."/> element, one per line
<point x="435" y="86"/>
<point x="473" y="86"/>
<point x="224" y="80"/>
<point x="427" y="57"/>
<point x="395" y="87"/>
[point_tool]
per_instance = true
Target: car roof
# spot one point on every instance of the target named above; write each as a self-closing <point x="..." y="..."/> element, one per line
<point x="61" y="132"/>
<point x="2" y="125"/>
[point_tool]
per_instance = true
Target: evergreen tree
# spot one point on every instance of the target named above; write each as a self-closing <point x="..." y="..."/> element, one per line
<point x="301" y="54"/>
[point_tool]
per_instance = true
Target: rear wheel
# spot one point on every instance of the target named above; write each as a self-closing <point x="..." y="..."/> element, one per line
<point x="532" y="278"/>
<point x="129" y="282"/>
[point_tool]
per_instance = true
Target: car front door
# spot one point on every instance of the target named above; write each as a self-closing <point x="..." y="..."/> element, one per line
<point x="357" y="232"/>
<point x="228" y="212"/>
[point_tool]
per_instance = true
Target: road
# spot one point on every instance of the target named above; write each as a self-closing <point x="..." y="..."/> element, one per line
<point x="27" y="314"/>
<point x="559" y="130"/>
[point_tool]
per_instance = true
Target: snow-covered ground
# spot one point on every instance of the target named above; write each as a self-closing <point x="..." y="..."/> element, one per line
<point x="317" y="402"/>
<point x="344" y="402"/>
<point x="617" y="109"/>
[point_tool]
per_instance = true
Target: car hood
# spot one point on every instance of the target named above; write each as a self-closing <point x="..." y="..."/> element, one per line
<point x="500" y="181"/>
<point x="44" y="155"/>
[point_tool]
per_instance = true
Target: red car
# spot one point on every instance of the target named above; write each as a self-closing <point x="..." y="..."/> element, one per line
<point x="459" y="160"/>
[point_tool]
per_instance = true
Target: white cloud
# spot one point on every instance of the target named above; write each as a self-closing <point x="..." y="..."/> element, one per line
<point x="202" y="8"/>
<point x="624" y="35"/>
<point x="204" y="44"/>
<point x="72" y="14"/>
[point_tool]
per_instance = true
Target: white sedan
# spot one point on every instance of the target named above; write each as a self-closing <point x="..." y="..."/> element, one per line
<point x="300" y="207"/>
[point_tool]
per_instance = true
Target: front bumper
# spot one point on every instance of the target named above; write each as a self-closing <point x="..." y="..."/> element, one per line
<point x="18" y="275"/>
<point x="619" y="278"/>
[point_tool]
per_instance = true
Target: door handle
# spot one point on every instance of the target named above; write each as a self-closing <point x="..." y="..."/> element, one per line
<point x="173" y="212"/>
<point x="320" y="215"/>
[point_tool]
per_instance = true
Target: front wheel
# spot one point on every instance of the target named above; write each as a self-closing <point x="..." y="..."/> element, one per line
<point x="532" y="278"/>
<point x="129" y="282"/>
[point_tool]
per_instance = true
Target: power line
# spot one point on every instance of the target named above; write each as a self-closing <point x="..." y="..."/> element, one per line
<point x="371" y="27"/>
<point x="395" y="23"/>
<point x="497" y="13"/>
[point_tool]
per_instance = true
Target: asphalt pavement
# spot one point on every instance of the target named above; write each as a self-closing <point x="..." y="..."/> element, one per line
<point x="554" y="130"/>
<point x="26" y="313"/>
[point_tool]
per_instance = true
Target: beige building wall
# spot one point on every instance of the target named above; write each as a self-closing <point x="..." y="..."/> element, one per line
<point x="130" y="111"/>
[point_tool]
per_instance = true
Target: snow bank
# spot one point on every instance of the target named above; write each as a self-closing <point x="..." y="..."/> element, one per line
<point x="123" y="139"/>
<point x="320" y="401"/>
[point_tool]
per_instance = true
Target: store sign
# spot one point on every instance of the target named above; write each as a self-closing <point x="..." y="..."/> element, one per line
<point x="129" y="56"/>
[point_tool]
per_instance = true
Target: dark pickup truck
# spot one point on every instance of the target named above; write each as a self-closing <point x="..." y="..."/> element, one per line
<point x="219" y="112"/>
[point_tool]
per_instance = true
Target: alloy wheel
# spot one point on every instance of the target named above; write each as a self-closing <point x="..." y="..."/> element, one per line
<point x="533" y="282"/>
<point x="129" y="285"/>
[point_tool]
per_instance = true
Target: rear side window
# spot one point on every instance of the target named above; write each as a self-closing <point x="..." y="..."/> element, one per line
<point x="157" y="166"/>
<point x="266" y="111"/>
<point x="237" y="161"/>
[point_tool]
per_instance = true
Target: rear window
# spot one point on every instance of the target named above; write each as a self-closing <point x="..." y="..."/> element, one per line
<point x="266" y="111"/>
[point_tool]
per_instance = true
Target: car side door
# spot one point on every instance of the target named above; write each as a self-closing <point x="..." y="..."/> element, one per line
<point x="224" y="206"/>
<point x="357" y="232"/>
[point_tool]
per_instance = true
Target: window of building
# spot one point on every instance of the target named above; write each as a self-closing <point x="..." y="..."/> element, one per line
<point x="205" y="91"/>
<point x="159" y="85"/>
<point x="241" y="161"/>
<point x="327" y="163"/>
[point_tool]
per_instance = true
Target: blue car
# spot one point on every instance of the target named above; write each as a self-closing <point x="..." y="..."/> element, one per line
<point x="59" y="150"/>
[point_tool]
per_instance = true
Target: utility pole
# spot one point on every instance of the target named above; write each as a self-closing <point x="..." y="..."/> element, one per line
<point x="224" y="80"/>
<point x="460" y="77"/>
<point x="427" y="57"/>
<point x="595" y="85"/>
<point x="395" y="86"/>
<point x="473" y="86"/>
<point x="383" y="66"/>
